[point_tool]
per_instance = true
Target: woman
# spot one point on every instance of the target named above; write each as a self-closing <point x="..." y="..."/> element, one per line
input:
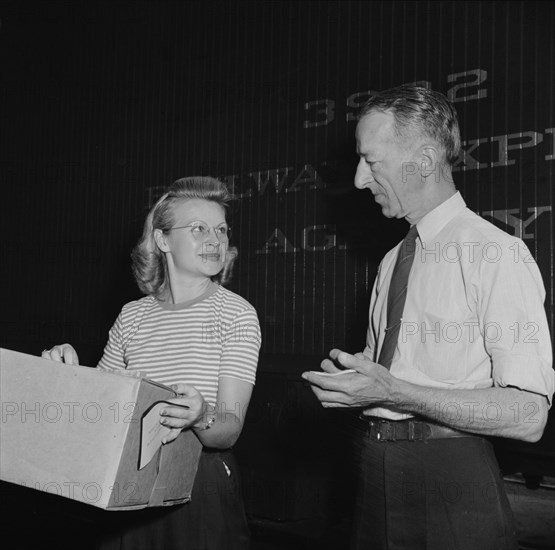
<point x="192" y="333"/>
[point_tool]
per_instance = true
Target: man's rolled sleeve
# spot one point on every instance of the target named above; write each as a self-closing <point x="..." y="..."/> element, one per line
<point x="525" y="372"/>
<point x="518" y="342"/>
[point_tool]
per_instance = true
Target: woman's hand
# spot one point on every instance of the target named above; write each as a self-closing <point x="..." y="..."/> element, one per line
<point x="63" y="353"/>
<point x="188" y="415"/>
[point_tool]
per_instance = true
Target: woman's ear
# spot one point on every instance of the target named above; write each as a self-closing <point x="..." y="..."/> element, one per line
<point x="160" y="240"/>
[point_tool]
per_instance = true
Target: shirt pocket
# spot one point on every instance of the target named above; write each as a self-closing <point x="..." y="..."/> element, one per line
<point x="442" y="348"/>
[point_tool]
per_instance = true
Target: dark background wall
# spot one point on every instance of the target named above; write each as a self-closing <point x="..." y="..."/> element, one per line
<point x="104" y="104"/>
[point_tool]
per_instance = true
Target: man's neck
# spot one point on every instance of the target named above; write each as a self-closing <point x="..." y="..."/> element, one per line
<point x="441" y="193"/>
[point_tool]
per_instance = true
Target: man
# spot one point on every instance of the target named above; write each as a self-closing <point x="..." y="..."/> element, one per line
<point x="458" y="352"/>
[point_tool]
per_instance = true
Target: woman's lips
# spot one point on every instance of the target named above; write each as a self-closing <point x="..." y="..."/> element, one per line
<point x="212" y="257"/>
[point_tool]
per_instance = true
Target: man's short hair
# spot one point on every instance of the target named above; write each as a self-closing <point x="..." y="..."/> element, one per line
<point x="417" y="110"/>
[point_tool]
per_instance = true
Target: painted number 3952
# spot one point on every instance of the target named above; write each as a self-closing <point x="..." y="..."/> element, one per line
<point x="467" y="88"/>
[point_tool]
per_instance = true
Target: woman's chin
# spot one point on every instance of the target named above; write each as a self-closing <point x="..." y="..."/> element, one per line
<point x="213" y="270"/>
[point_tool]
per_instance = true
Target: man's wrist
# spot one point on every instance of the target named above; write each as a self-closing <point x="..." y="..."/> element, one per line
<point x="401" y="394"/>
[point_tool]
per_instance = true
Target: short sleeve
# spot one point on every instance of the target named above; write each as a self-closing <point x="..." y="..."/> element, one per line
<point x="241" y="347"/>
<point x="113" y="357"/>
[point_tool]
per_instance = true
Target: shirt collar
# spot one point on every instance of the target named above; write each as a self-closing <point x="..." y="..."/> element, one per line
<point x="434" y="221"/>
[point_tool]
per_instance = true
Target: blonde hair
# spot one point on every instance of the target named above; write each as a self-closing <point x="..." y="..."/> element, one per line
<point x="148" y="261"/>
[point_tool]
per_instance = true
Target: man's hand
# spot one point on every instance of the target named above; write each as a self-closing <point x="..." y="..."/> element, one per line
<point x="368" y="386"/>
<point x="519" y="414"/>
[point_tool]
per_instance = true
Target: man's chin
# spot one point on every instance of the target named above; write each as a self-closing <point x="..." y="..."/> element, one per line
<point x="386" y="211"/>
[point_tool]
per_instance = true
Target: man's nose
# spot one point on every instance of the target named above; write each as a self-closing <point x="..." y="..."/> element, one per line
<point x="363" y="176"/>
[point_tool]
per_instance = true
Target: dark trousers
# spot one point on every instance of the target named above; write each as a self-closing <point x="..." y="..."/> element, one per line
<point x="444" y="494"/>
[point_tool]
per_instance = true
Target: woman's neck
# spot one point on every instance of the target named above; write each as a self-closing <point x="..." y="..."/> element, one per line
<point x="178" y="293"/>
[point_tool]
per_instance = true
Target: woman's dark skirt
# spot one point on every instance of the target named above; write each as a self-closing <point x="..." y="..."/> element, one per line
<point x="214" y="519"/>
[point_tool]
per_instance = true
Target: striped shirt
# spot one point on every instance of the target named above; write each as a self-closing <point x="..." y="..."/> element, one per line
<point x="194" y="342"/>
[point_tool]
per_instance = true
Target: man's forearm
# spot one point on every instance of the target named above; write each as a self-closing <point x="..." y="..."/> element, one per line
<point x="501" y="412"/>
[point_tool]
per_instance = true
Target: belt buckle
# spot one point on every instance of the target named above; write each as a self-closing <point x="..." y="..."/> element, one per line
<point x="386" y="431"/>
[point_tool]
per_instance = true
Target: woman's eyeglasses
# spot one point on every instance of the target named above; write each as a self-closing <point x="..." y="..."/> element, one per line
<point x="201" y="230"/>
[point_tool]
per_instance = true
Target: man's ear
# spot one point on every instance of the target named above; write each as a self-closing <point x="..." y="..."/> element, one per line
<point x="160" y="240"/>
<point x="430" y="163"/>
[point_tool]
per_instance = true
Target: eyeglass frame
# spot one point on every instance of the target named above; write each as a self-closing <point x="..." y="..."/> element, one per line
<point x="210" y="228"/>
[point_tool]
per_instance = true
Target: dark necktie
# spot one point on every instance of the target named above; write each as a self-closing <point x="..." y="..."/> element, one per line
<point x="397" y="296"/>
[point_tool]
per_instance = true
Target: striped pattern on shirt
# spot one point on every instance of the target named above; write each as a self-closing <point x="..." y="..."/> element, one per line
<point x="194" y="343"/>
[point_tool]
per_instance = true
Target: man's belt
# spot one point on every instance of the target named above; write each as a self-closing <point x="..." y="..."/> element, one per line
<point x="379" y="429"/>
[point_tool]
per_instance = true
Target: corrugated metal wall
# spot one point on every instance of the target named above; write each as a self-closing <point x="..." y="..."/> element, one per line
<point x="103" y="106"/>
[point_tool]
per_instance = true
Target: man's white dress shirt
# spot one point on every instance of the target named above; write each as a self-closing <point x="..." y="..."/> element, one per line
<point x="474" y="315"/>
